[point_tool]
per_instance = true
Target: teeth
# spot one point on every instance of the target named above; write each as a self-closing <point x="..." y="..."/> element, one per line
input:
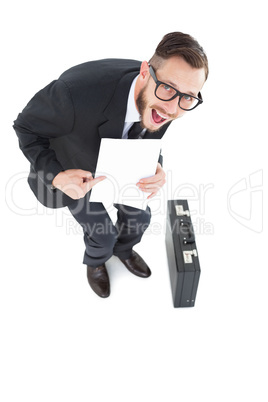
<point x="161" y="115"/>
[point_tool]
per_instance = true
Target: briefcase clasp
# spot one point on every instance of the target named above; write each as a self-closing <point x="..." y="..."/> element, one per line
<point x="187" y="255"/>
<point x="180" y="211"/>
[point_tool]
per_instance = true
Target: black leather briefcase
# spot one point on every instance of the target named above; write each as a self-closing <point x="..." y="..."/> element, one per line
<point x="182" y="254"/>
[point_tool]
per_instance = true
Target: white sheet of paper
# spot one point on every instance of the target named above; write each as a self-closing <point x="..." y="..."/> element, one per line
<point x="124" y="163"/>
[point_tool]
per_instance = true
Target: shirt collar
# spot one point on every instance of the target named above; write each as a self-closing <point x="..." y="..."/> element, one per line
<point x="132" y="114"/>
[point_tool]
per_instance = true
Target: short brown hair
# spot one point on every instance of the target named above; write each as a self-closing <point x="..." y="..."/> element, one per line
<point x="181" y="45"/>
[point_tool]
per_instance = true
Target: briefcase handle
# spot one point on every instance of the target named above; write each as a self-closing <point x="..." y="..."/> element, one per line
<point x="187" y="231"/>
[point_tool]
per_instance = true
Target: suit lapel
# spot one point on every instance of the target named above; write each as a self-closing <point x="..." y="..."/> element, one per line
<point x="115" y="112"/>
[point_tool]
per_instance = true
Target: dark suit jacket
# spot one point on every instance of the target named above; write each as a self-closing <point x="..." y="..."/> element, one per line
<point x="62" y="125"/>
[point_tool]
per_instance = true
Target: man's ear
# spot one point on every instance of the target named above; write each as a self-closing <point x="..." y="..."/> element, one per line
<point x="142" y="80"/>
<point x="144" y="70"/>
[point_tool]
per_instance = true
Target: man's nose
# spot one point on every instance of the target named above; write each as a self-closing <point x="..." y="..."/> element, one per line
<point x="173" y="107"/>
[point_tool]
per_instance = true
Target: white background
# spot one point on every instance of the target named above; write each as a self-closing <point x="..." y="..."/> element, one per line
<point x="59" y="341"/>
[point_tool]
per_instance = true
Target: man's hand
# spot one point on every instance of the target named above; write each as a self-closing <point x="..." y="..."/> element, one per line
<point x="75" y="182"/>
<point x="154" y="183"/>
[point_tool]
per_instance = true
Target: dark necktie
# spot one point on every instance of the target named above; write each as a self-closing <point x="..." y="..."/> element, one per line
<point x="134" y="131"/>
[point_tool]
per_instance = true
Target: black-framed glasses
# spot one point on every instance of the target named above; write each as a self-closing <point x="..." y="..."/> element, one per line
<point x="166" y="92"/>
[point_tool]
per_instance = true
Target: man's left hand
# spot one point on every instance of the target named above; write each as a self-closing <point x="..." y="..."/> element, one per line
<point x="154" y="183"/>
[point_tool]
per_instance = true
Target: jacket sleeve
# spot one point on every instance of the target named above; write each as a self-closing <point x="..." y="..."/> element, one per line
<point x="48" y="115"/>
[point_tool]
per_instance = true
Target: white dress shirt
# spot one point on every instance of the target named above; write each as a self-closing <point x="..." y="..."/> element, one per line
<point x="132" y="114"/>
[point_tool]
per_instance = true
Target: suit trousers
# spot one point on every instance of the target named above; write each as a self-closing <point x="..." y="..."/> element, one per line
<point x="102" y="238"/>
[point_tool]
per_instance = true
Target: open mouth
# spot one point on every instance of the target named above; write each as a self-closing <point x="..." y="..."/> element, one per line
<point x="157" y="117"/>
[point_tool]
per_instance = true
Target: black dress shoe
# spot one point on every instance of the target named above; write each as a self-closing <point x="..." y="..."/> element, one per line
<point x="136" y="265"/>
<point x="99" y="280"/>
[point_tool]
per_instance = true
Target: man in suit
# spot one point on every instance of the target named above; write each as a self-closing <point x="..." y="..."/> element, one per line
<point x="61" y="128"/>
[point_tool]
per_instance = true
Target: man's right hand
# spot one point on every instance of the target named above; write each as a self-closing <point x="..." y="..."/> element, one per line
<point x="75" y="182"/>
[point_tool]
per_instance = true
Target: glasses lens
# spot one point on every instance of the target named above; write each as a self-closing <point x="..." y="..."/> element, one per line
<point x="188" y="102"/>
<point x="165" y="92"/>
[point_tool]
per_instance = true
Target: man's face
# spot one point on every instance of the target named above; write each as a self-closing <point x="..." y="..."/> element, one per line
<point x="175" y="72"/>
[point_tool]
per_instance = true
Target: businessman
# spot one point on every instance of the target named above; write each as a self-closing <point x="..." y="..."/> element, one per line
<point x="60" y="131"/>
